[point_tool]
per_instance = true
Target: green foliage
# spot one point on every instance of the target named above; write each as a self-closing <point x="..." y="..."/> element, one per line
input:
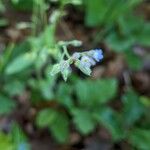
<point x="145" y="101"/>
<point x="55" y="69"/>
<point x="83" y="120"/>
<point x="45" y="89"/>
<point x="119" y="27"/>
<point x="20" y="63"/>
<point x="56" y="122"/>
<point x="84" y="103"/>
<point x="133" y="108"/>
<point x="5" y="142"/>
<point x="15" y="140"/>
<point x="140" y="138"/>
<point x="63" y="95"/>
<point x="74" y="2"/>
<point x="133" y="61"/>
<point x="95" y="92"/>
<point x="60" y="128"/>
<point x="19" y="139"/>
<point x="129" y="27"/>
<point x="104" y="12"/>
<point x="110" y="120"/>
<point x="45" y="117"/>
<point x="14" y="88"/>
<point x="119" y="43"/>
<point x="6" y="105"/>
<point x="128" y="34"/>
<point x="3" y="22"/>
<point x="25" y="5"/>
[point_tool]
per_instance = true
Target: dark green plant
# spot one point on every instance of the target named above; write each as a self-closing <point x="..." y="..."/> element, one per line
<point x="119" y="27"/>
<point x="85" y="103"/>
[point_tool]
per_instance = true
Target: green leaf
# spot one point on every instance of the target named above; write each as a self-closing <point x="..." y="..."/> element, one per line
<point x="2" y="7"/>
<point x="60" y="128"/>
<point x="103" y="12"/>
<point x="140" y="138"/>
<point x="41" y="58"/>
<point x="18" y="50"/>
<point x="64" y="92"/>
<point x="119" y="44"/>
<point x="95" y="92"/>
<point x="143" y="38"/>
<point x="45" y="118"/>
<point x="58" y="123"/>
<point x="19" y="139"/>
<point x="55" y="69"/>
<point x="46" y="89"/>
<point x="65" y="69"/>
<point x="14" y="87"/>
<point x="129" y="25"/>
<point x="133" y="60"/>
<point x="145" y="101"/>
<point x="110" y="120"/>
<point x="20" y="63"/>
<point x="65" y="73"/>
<point x="83" y="120"/>
<point x="73" y="2"/>
<point x="25" y="5"/>
<point x="3" y="22"/>
<point x="15" y="140"/>
<point x="5" y="142"/>
<point x="132" y="108"/>
<point x="6" y="105"/>
<point x="45" y="41"/>
<point x="94" y="12"/>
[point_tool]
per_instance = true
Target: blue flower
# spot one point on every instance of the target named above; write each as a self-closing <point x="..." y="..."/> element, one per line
<point x="98" y="55"/>
<point x="22" y="146"/>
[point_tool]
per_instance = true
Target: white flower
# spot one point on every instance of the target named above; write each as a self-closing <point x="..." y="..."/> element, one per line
<point x="87" y="61"/>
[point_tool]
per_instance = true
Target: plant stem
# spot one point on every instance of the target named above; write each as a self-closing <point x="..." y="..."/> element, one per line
<point x="66" y="51"/>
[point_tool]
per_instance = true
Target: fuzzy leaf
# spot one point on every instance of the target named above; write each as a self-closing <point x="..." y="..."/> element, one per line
<point x="65" y="69"/>
<point x="55" y="69"/>
<point x="65" y="73"/>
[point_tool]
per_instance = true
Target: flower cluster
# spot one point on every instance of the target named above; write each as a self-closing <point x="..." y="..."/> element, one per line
<point x="82" y="60"/>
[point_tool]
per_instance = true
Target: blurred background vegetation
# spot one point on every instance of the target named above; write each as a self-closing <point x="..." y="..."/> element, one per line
<point x="107" y="111"/>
